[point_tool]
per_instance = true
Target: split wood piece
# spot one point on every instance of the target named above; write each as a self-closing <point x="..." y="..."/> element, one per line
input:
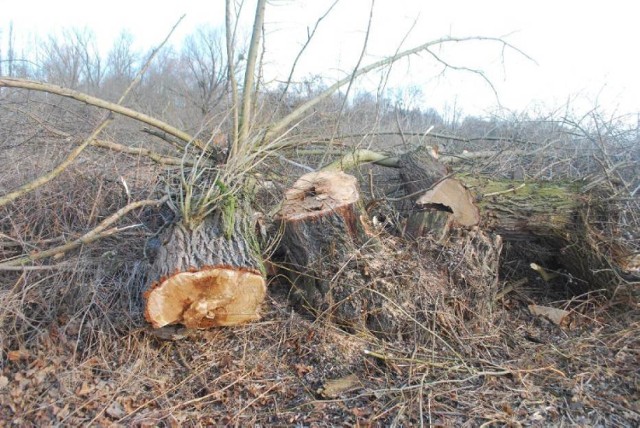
<point x="324" y="225"/>
<point x="201" y="278"/>
<point x="448" y="204"/>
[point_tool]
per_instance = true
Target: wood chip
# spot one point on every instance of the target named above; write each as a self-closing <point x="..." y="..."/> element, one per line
<point x="557" y="316"/>
<point x="18" y="355"/>
<point x="335" y="387"/>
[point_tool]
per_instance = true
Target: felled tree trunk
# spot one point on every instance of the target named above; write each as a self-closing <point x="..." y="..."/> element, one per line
<point x="323" y="227"/>
<point x="438" y="202"/>
<point x="566" y="220"/>
<point x="203" y="277"/>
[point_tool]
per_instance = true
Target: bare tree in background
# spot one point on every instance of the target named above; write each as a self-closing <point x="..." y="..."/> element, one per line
<point x="72" y="60"/>
<point x="203" y="61"/>
<point x="121" y="64"/>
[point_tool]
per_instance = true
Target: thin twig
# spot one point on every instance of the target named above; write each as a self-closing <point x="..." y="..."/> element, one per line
<point x="277" y="127"/>
<point x="94" y="234"/>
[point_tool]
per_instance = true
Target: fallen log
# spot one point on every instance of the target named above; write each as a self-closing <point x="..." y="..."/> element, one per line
<point x="578" y="227"/>
<point x="203" y="277"/>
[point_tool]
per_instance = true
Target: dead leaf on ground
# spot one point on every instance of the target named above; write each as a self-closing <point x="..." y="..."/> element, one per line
<point x="4" y="381"/>
<point x="335" y="387"/>
<point x="115" y="410"/>
<point x="557" y="316"/>
<point x="20" y="354"/>
<point x="84" y="390"/>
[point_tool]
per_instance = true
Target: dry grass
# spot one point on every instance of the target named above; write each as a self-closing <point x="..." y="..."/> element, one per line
<point x="88" y="358"/>
<point x="75" y="349"/>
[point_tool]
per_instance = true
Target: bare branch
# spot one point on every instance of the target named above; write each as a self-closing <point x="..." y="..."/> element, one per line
<point x="477" y="72"/>
<point x="423" y="134"/>
<point x="358" y="157"/>
<point x="40" y="181"/>
<point x="94" y="101"/>
<point x="43" y="179"/>
<point x="156" y="157"/>
<point x="300" y="111"/>
<point x="249" y="77"/>
<point x="99" y="232"/>
<point x="230" y="35"/>
<point x="163" y="136"/>
<point x="353" y="75"/>
<point x="310" y="35"/>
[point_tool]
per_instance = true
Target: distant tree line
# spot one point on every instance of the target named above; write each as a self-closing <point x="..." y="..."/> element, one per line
<point x="188" y="85"/>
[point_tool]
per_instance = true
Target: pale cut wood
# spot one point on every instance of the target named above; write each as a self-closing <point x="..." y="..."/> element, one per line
<point x="202" y="278"/>
<point x="207" y="298"/>
<point x="317" y="193"/>
<point x="451" y="194"/>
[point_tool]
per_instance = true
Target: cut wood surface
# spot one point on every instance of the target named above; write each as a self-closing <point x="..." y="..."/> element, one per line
<point x="447" y="204"/>
<point x="202" y="278"/>
<point x="452" y="196"/>
<point x="317" y="193"/>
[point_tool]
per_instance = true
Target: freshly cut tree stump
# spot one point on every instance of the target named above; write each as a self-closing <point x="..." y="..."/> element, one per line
<point x="201" y="278"/>
<point x="438" y="203"/>
<point x="323" y="227"/>
<point x="447" y="204"/>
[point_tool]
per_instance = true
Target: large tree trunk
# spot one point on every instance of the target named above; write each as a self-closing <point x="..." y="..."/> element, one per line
<point x="573" y="225"/>
<point x="203" y="277"/>
<point x="323" y="226"/>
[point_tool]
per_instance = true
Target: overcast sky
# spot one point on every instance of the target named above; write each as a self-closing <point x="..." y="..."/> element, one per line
<point x="584" y="52"/>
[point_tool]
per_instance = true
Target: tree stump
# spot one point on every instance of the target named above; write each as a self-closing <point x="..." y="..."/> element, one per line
<point x="324" y="227"/>
<point x="436" y="202"/>
<point x="201" y="278"/>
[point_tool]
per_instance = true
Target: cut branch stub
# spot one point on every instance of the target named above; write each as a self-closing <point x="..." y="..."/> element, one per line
<point x="201" y="278"/>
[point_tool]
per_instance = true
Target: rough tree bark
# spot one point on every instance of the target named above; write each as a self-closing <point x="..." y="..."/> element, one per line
<point x="203" y="277"/>
<point x="566" y="220"/>
<point x="323" y="225"/>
